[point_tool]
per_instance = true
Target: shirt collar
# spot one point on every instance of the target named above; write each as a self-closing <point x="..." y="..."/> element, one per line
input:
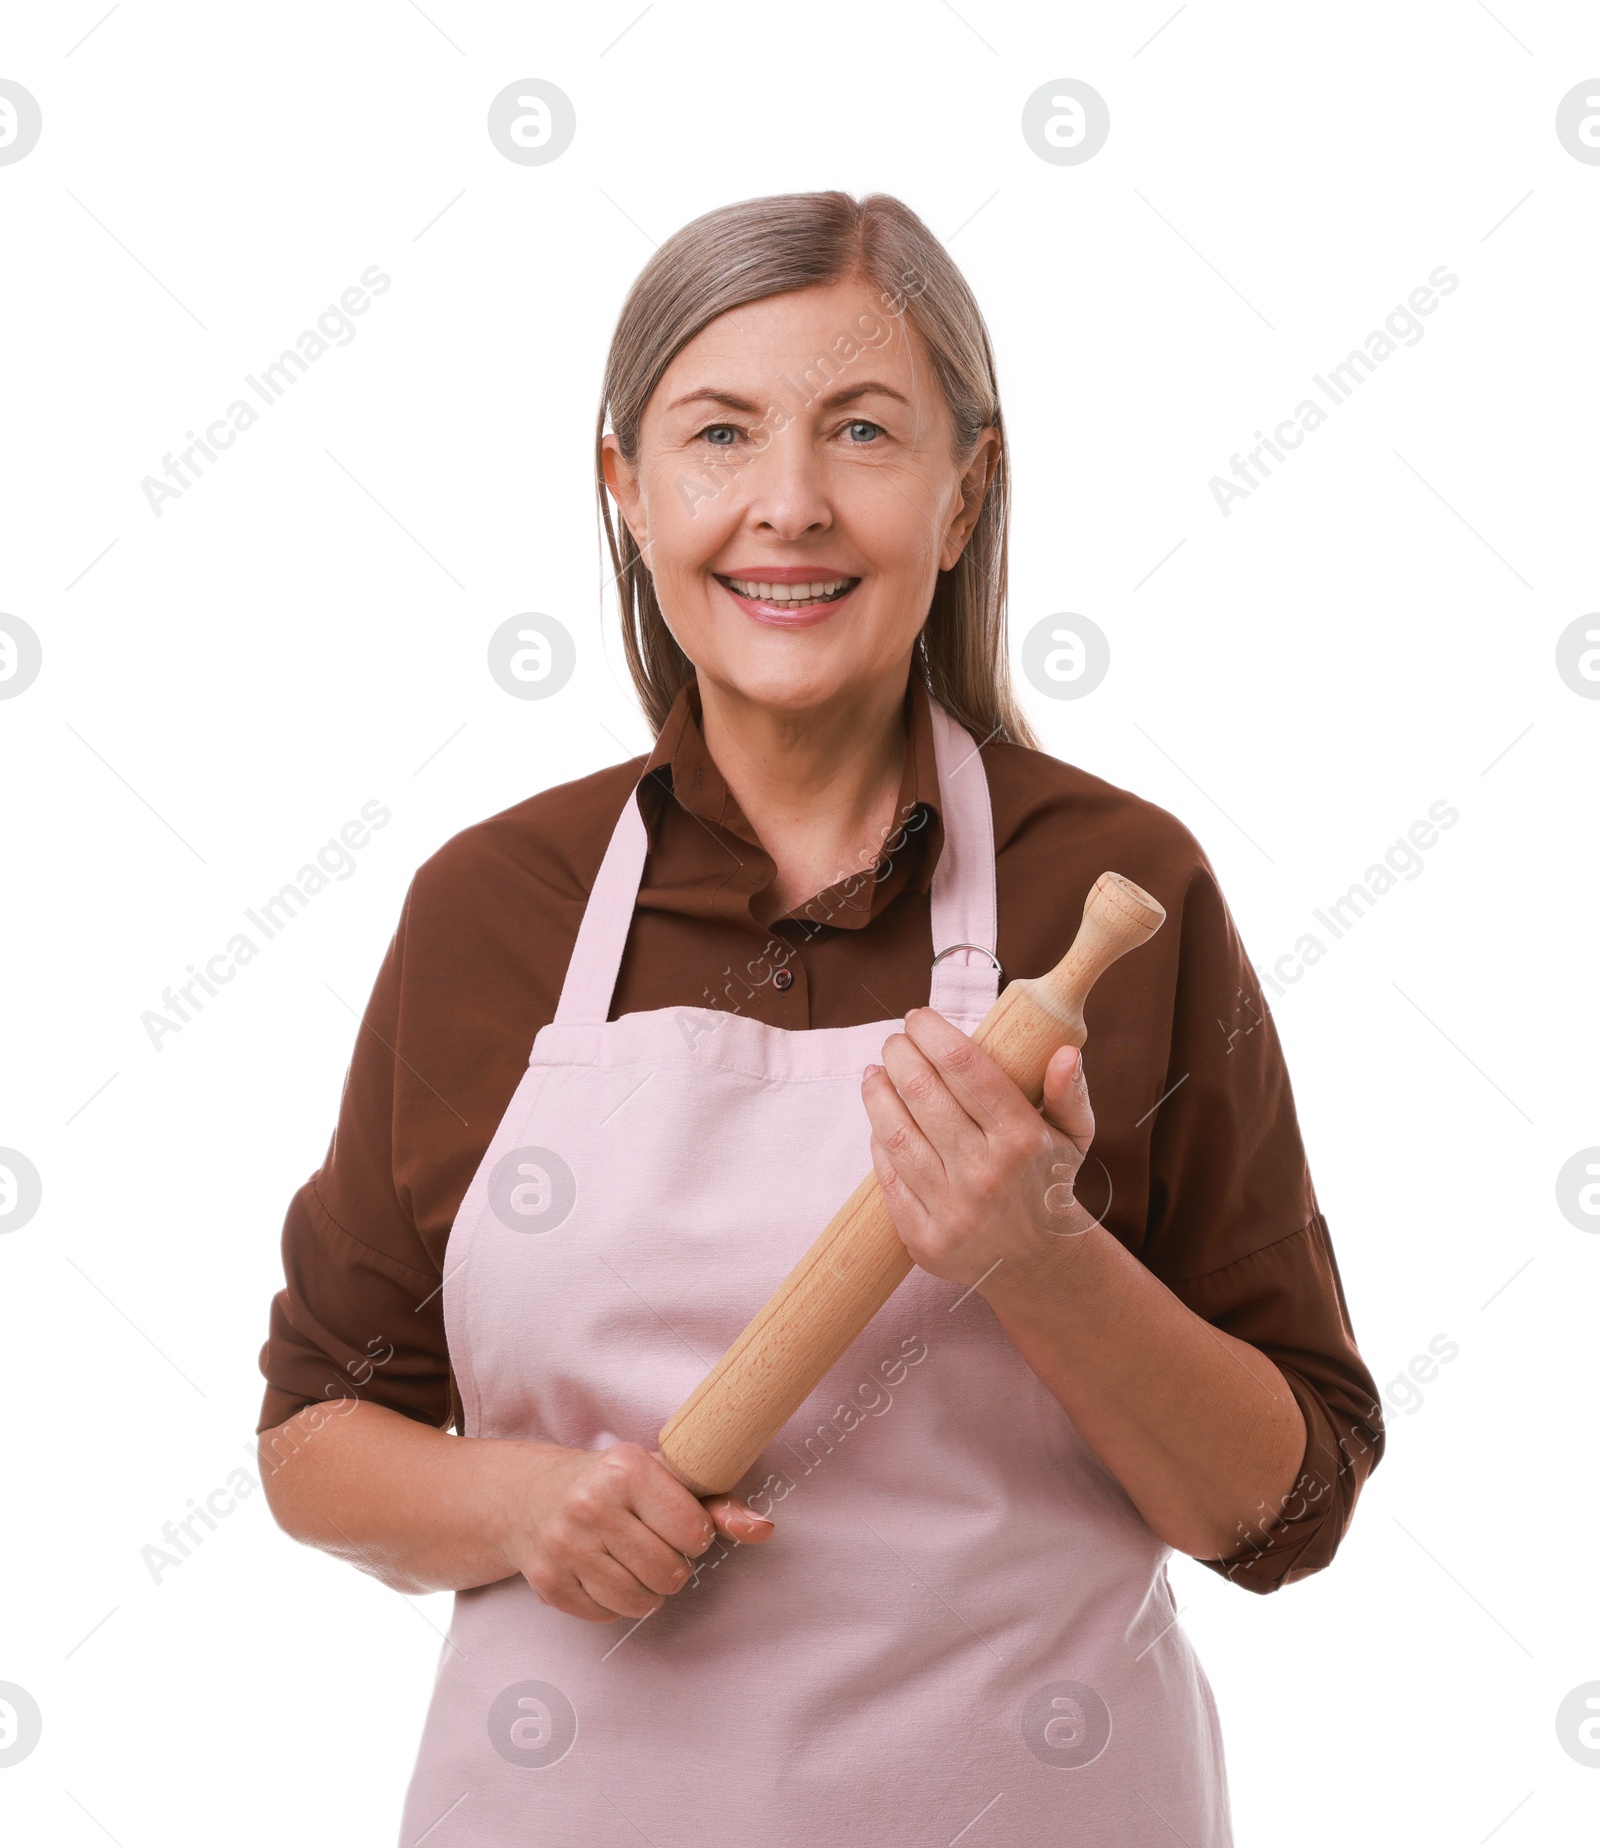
<point x="682" y="766"/>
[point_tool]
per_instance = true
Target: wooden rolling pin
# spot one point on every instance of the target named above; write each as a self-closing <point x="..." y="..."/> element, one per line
<point x="858" y="1262"/>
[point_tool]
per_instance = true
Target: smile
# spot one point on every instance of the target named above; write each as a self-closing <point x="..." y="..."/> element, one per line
<point x="786" y="602"/>
<point x="822" y="590"/>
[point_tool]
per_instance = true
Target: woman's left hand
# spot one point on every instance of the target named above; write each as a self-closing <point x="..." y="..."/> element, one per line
<point x="972" y="1173"/>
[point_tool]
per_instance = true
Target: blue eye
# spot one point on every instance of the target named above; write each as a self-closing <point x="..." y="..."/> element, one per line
<point x="861" y="423"/>
<point x="711" y="430"/>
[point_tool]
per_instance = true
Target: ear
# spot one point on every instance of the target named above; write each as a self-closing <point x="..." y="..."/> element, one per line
<point x="974" y="484"/>
<point x="623" y="480"/>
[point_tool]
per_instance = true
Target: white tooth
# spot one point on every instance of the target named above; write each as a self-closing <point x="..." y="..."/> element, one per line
<point x="788" y="593"/>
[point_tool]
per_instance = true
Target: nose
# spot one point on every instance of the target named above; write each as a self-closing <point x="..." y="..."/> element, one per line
<point x="785" y="487"/>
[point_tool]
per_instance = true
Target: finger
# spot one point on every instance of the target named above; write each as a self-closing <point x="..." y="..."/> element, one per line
<point x="665" y="1506"/>
<point x="910" y="1215"/>
<point x="661" y="1569"/>
<point x="737" y="1522"/>
<point x="989" y="1097"/>
<point x="610" y="1584"/>
<point x="569" y="1595"/>
<point x="907" y="1164"/>
<point x="941" y="1114"/>
<point x="661" y="1505"/>
<point x="1066" y="1097"/>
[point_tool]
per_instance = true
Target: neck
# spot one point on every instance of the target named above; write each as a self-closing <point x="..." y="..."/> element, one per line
<point x="818" y="787"/>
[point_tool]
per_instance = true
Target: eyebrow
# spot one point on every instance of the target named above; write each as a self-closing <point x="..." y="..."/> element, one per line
<point x="707" y="394"/>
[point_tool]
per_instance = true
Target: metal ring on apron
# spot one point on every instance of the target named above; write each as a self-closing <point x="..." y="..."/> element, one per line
<point x="982" y="951"/>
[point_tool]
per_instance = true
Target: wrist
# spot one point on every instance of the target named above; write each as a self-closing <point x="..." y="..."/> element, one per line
<point x="507" y="1467"/>
<point x="1030" y="1282"/>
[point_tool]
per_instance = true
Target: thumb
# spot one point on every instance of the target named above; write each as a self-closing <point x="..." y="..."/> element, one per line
<point x="1066" y="1096"/>
<point x="732" y="1519"/>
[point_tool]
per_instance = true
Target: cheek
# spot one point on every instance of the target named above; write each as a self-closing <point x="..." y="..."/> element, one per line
<point x="690" y="517"/>
<point x="896" y="516"/>
<point x="688" y="510"/>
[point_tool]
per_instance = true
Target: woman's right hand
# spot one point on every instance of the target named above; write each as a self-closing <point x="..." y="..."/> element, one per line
<point x="603" y="1534"/>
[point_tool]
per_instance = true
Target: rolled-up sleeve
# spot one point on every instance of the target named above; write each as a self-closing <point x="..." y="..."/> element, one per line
<point x="360" y="1314"/>
<point x="1235" y="1231"/>
<point x="1287" y="1300"/>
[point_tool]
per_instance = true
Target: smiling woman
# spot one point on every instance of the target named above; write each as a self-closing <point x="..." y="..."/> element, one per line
<point x="801" y="470"/>
<point x="849" y="493"/>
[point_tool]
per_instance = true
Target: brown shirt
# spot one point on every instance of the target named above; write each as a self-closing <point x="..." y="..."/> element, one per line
<point x="1197" y="1165"/>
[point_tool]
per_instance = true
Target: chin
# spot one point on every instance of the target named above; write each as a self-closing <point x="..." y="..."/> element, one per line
<point x="792" y="685"/>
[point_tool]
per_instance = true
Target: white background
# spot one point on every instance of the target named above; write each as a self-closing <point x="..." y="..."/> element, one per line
<point x="224" y="686"/>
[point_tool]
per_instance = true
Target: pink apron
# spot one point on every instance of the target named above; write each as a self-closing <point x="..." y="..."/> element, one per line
<point x="962" y="1626"/>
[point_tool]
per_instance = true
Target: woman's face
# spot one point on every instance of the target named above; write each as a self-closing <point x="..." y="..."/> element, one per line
<point x="800" y="444"/>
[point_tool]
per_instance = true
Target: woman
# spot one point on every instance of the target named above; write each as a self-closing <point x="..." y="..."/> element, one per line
<point x="746" y="967"/>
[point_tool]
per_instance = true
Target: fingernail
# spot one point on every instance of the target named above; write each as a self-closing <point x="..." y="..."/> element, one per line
<point x="869" y="1071"/>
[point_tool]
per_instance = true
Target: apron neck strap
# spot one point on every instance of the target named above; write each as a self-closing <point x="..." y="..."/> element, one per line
<point x="966" y="976"/>
<point x="966" y="970"/>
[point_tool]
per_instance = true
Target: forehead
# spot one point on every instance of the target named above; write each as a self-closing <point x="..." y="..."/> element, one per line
<point x="754" y="348"/>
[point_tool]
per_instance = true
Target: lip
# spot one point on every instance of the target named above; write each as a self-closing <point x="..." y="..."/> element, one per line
<point x="783" y="615"/>
<point x="787" y="574"/>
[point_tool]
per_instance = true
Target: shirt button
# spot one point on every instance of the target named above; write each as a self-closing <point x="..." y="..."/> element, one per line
<point x="783" y="978"/>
